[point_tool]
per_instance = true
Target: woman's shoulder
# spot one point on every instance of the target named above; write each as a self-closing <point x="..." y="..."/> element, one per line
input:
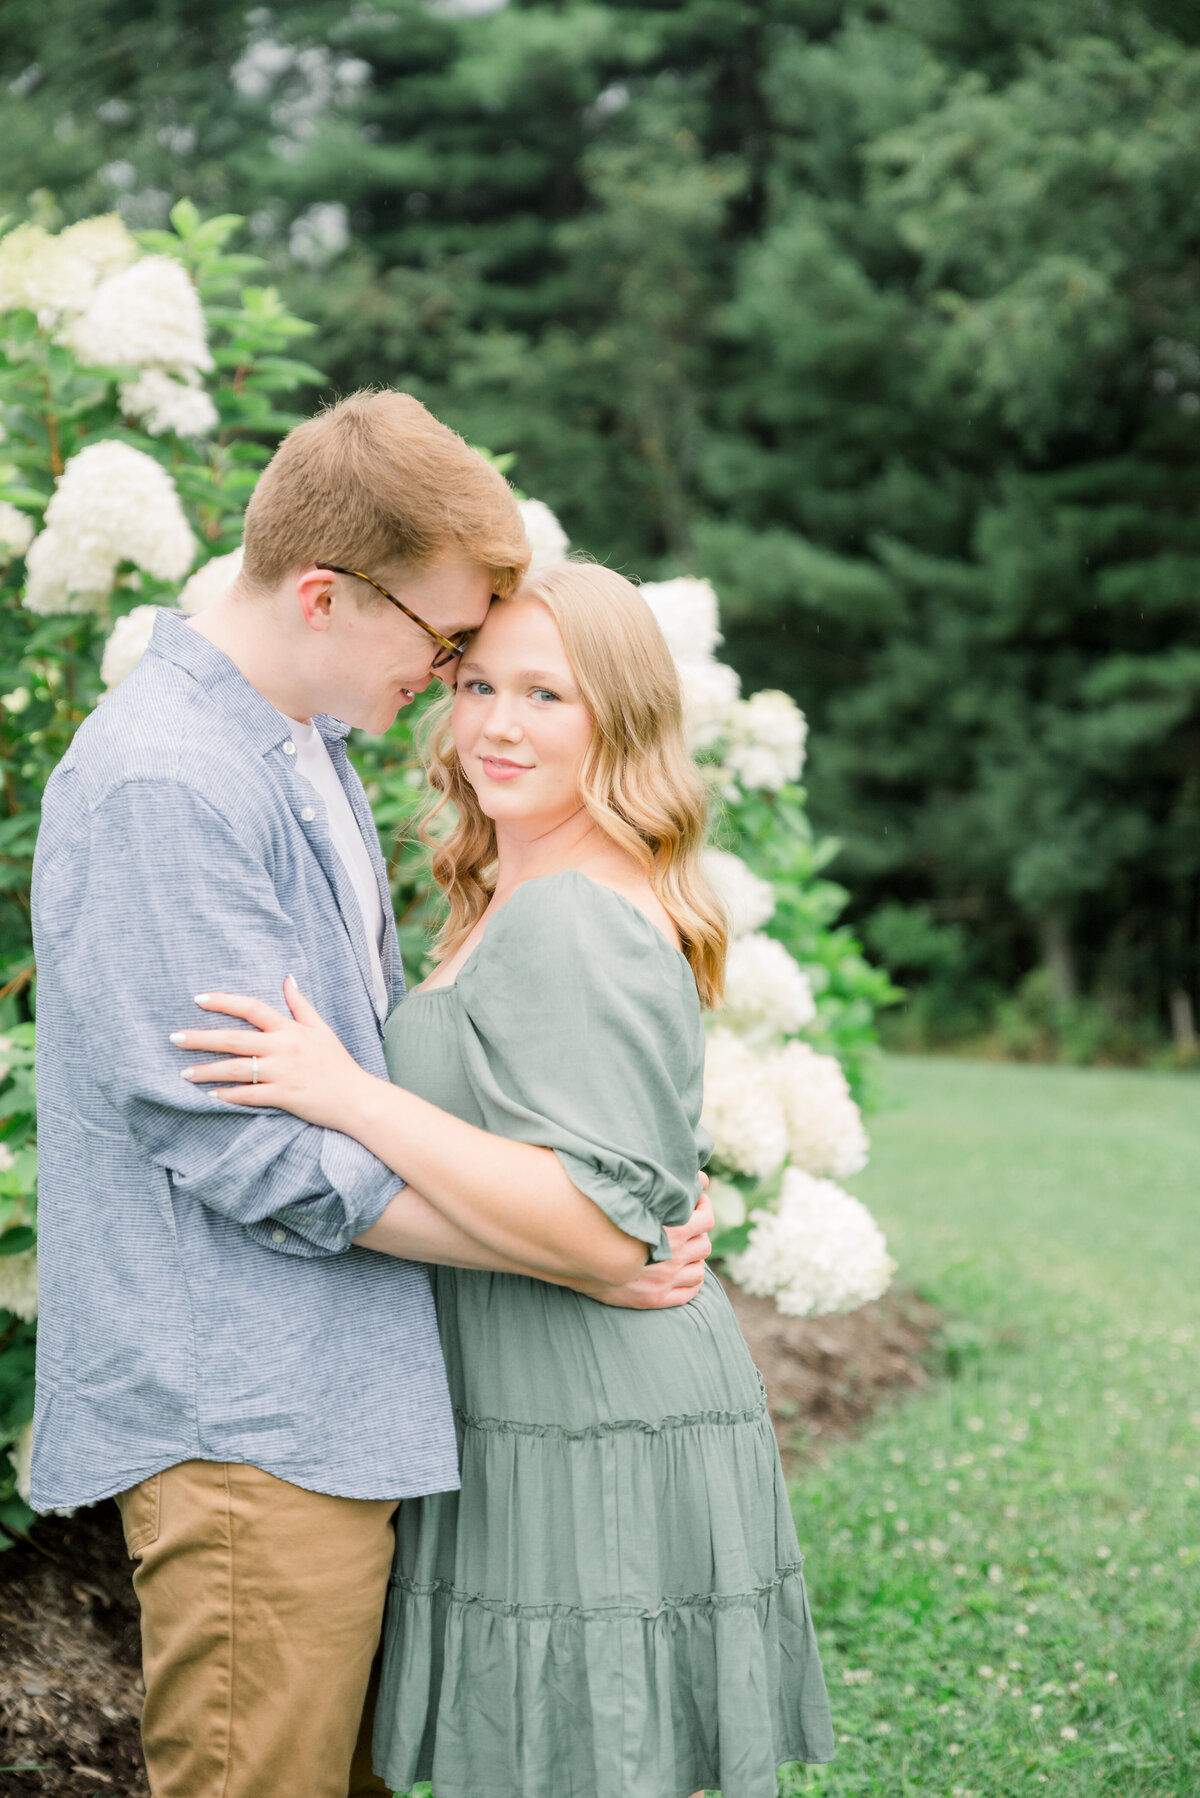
<point x="573" y="909"/>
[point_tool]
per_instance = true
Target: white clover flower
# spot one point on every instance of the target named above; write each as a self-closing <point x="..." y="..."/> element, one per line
<point x="211" y="582"/>
<point x="104" y="242"/>
<point x="16" y="530"/>
<point x="19" y="1284"/>
<point x="127" y="644"/>
<point x="825" y="1127"/>
<point x="113" y="504"/>
<point x="729" y="1207"/>
<point x="686" y="611"/>
<point x="166" y="405"/>
<point x="820" y="1252"/>
<point x="747" y="900"/>
<point x="147" y="316"/>
<point x="710" y="697"/>
<point x="21" y="1452"/>
<point x="547" y="539"/>
<point x="742" y="1112"/>
<point x="766" y="989"/>
<point x="767" y="734"/>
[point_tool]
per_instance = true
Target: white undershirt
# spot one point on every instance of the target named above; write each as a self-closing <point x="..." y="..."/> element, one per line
<point x="313" y="762"/>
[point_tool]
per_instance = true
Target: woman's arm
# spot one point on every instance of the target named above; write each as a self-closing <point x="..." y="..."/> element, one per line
<point x="512" y="1198"/>
<point x="414" y="1230"/>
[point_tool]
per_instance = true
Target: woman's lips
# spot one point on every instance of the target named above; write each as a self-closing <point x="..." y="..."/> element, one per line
<point x="496" y="768"/>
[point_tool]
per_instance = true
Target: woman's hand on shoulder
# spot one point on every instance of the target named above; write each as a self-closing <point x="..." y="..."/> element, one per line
<point x="301" y="1065"/>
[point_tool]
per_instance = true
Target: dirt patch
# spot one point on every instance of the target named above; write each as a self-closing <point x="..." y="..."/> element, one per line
<point x="70" y="1686"/>
<point x="825" y="1375"/>
<point x="70" y="1680"/>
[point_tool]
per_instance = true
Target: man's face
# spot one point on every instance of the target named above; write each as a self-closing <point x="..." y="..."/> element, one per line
<point x="371" y="659"/>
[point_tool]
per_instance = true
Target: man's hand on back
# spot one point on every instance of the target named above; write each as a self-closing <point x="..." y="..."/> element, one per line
<point x="662" y="1284"/>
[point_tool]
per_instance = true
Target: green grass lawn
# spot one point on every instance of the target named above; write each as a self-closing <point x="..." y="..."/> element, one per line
<point x="1004" y="1570"/>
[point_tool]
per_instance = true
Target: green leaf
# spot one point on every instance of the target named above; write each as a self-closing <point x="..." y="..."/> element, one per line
<point x="185" y="218"/>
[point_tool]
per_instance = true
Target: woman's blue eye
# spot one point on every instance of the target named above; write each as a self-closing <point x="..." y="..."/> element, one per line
<point x="544" y="693"/>
<point x="474" y="686"/>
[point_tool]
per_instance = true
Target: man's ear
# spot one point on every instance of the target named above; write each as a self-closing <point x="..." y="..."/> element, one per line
<point x="314" y="591"/>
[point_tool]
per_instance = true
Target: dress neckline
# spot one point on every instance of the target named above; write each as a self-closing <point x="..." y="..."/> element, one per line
<point x="448" y="986"/>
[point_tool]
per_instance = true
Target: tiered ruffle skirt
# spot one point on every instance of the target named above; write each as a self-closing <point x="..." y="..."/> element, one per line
<point x="614" y="1605"/>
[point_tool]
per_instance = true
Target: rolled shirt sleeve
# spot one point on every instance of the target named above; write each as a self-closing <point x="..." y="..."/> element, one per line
<point x="177" y="904"/>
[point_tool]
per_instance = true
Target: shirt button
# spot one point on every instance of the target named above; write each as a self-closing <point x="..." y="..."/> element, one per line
<point x="278" y="1235"/>
<point x="308" y="814"/>
<point x="289" y="747"/>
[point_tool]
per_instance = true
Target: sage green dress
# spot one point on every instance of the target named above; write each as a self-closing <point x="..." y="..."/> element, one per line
<point x="613" y="1606"/>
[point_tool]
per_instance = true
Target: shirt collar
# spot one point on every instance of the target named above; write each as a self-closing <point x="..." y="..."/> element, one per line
<point x="175" y="641"/>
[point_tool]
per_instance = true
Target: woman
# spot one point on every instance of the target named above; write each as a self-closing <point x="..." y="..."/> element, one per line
<point x="613" y="1606"/>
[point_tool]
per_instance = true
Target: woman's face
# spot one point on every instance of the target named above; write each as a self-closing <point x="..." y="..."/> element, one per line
<point x="521" y="728"/>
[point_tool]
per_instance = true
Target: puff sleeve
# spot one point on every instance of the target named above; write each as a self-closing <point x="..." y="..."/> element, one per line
<point x="580" y="1031"/>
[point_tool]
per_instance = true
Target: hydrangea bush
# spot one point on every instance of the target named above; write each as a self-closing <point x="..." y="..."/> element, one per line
<point x="140" y="384"/>
<point x="142" y="381"/>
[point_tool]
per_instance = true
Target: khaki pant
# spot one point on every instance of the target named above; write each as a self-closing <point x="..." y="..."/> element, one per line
<point x="261" y="1611"/>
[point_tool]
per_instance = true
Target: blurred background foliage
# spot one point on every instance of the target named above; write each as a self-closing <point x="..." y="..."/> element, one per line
<point x="885" y="317"/>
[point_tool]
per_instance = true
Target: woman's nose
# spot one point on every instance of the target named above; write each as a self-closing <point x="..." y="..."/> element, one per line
<point x="502" y="721"/>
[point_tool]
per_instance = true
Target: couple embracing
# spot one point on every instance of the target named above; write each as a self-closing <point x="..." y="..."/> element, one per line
<point x="367" y="1297"/>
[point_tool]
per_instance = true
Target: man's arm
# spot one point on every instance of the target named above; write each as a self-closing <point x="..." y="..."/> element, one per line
<point x="173" y="903"/>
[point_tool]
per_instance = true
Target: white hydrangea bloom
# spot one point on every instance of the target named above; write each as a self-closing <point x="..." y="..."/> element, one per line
<point x="127" y="644"/>
<point x="113" y="504"/>
<point x="64" y="577"/>
<point x="729" y="1207"/>
<point x="105" y="242"/>
<point x="320" y="233"/>
<point x="211" y="582"/>
<point x="766" y="990"/>
<point x="710" y="696"/>
<point x="742" y="1110"/>
<point x="16" y="530"/>
<point x="748" y="901"/>
<point x="825" y="1127"/>
<point x="767" y="733"/>
<point x="147" y="316"/>
<point x="686" y="611"/>
<point x="820" y="1252"/>
<point x="547" y="539"/>
<point x="21" y="1452"/>
<point x="43" y="274"/>
<point x="166" y="405"/>
<point x="19" y="1284"/>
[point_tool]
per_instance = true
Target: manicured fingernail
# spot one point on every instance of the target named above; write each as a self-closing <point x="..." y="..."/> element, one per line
<point x="201" y="999"/>
<point x="178" y="1036"/>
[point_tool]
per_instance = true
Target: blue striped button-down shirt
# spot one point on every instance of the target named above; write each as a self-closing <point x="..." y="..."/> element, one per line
<point x="200" y="1295"/>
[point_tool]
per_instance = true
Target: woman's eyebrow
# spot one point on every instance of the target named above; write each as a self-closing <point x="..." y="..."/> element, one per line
<point x="543" y="675"/>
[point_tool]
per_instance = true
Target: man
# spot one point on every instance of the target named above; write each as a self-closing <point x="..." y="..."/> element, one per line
<point x="215" y="1348"/>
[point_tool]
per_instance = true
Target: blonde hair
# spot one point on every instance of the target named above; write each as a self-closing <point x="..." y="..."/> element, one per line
<point x="374" y="481"/>
<point x="638" y="782"/>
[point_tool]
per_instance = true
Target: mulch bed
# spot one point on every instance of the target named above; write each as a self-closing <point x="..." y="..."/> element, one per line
<point x="70" y="1686"/>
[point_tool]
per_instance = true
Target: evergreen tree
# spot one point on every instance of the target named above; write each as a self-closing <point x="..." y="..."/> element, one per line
<point x="883" y="316"/>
